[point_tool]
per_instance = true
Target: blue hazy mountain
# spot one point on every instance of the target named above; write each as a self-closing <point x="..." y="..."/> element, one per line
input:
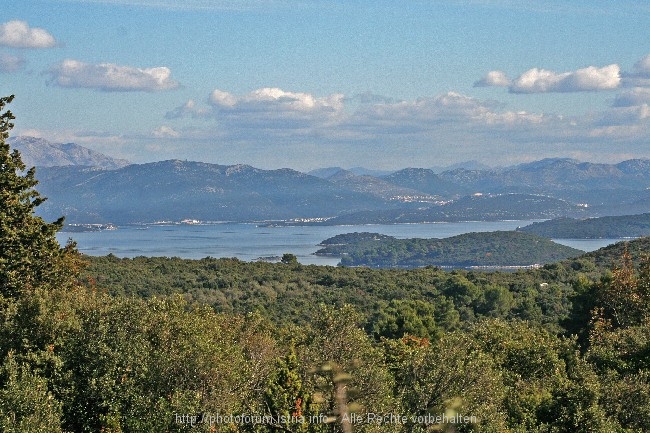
<point x="38" y="152"/>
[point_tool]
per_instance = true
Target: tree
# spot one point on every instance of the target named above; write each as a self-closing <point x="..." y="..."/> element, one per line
<point x="625" y="297"/>
<point x="401" y="317"/>
<point x="289" y="259"/>
<point x="30" y="255"/>
<point x="26" y="405"/>
<point x="34" y="317"/>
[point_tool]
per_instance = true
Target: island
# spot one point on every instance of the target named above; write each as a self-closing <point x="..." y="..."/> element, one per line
<point x="507" y="250"/>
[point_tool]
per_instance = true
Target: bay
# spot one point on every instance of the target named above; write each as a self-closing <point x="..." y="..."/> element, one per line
<point x="250" y="242"/>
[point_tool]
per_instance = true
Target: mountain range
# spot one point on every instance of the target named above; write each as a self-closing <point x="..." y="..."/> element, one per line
<point x="88" y="187"/>
<point x="38" y="152"/>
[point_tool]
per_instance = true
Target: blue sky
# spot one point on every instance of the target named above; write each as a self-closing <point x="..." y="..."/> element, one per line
<point x="308" y="84"/>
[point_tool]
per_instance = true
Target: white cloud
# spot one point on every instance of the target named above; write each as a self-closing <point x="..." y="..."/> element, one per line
<point x="587" y="79"/>
<point x="272" y="127"/>
<point x="591" y="78"/>
<point x="219" y="98"/>
<point x="494" y="79"/>
<point x="268" y="109"/>
<point x="165" y="132"/>
<point x="452" y="109"/>
<point x="277" y="100"/>
<point x="271" y="124"/>
<point x="18" y="34"/>
<point x="271" y="111"/>
<point x="110" y="77"/>
<point x="9" y="63"/>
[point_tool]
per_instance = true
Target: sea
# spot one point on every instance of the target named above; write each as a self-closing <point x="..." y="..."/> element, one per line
<point x="252" y="242"/>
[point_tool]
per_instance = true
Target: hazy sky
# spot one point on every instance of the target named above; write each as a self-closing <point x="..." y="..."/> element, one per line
<point x="307" y="84"/>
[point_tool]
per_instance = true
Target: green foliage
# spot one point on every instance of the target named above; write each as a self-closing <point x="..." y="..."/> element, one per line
<point x="26" y="405"/>
<point x="454" y="371"/>
<point x="291" y="294"/>
<point x="29" y="253"/>
<point x="611" y="227"/>
<point x="625" y="296"/>
<point x="289" y="259"/>
<point x="403" y="317"/>
<point x="284" y="396"/>
<point x="492" y="249"/>
<point x="337" y="349"/>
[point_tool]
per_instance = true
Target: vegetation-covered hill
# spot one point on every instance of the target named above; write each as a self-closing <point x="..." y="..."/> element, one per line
<point x="513" y="322"/>
<point x="625" y="226"/>
<point x="487" y="207"/>
<point x="489" y="249"/>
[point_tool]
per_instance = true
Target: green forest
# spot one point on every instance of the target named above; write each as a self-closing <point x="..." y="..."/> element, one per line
<point x="488" y="249"/>
<point x="592" y="228"/>
<point x="103" y="344"/>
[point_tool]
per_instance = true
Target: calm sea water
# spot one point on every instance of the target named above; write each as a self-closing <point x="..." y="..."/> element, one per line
<point x="250" y="242"/>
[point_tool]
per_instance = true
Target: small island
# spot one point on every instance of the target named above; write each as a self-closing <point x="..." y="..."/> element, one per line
<point x="504" y="250"/>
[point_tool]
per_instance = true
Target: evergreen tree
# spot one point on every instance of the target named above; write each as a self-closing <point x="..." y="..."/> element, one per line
<point x="30" y="255"/>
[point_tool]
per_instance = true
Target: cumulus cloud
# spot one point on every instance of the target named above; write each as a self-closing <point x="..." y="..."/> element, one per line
<point x="450" y="108"/>
<point x="494" y="79"/>
<point x="165" y="132"/>
<point x="222" y="99"/>
<point x="9" y="63"/>
<point x="110" y="77"/>
<point x="274" y="112"/>
<point x="269" y="119"/>
<point x="592" y="78"/>
<point x="18" y="34"/>
<point x="274" y="99"/>
<point x="587" y="79"/>
<point x="268" y="109"/>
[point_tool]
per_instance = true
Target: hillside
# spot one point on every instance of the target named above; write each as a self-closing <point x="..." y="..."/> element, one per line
<point x="556" y="174"/>
<point x="592" y="228"/>
<point x="177" y="190"/>
<point x="426" y="181"/>
<point x="490" y="249"/>
<point x="481" y="207"/>
<point x="378" y="187"/>
<point x="37" y="152"/>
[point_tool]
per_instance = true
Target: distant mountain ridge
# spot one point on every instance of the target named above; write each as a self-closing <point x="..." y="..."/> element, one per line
<point x="556" y="174"/>
<point x="38" y="152"/>
<point x="177" y="190"/>
<point x="88" y="187"/>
